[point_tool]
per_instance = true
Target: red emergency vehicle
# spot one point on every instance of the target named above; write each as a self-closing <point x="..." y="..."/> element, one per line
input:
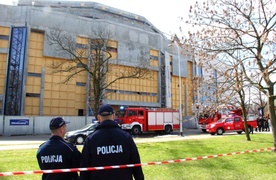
<point x="231" y="123"/>
<point x="138" y="120"/>
<point x="210" y="116"/>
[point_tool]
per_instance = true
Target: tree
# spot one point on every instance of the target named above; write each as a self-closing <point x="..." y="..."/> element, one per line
<point x="256" y="99"/>
<point x="95" y="58"/>
<point x="230" y="87"/>
<point x="242" y="31"/>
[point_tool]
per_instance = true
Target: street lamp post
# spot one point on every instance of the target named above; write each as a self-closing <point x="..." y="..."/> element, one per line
<point x="180" y="91"/>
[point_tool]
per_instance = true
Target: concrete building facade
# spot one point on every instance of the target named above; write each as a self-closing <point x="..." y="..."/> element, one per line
<point x="29" y="88"/>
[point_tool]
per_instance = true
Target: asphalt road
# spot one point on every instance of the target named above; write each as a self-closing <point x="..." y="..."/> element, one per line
<point x="33" y="141"/>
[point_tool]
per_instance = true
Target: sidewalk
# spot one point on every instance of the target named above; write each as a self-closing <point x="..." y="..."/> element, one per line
<point x="22" y="142"/>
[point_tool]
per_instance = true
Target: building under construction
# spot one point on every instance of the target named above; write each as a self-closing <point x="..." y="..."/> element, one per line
<point x="29" y="87"/>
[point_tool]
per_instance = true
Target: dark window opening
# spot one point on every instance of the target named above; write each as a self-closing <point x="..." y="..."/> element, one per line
<point x="111" y="49"/>
<point x="154" y="57"/>
<point x="37" y="31"/>
<point x="79" y="65"/>
<point x="80" y="84"/>
<point x="34" y="74"/>
<point x="80" y="112"/>
<point x="81" y="46"/>
<point x="4" y="37"/>
<point x="32" y="95"/>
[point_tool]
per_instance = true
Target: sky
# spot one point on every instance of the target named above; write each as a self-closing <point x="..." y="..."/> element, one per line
<point x="164" y="15"/>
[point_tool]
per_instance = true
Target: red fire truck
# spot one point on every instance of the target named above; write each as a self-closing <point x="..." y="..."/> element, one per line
<point x="210" y="116"/>
<point x="138" y="120"/>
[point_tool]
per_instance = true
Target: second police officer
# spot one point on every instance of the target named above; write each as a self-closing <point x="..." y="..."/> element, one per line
<point x="109" y="145"/>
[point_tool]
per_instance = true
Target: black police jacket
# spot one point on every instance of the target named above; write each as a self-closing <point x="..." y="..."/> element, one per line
<point x="58" y="154"/>
<point x="110" y="145"/>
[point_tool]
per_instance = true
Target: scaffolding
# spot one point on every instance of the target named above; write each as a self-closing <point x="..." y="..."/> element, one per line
<point x="14" y="81"/>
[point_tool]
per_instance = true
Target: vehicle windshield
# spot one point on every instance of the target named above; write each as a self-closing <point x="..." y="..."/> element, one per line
<point x="221" y="119"/>
<point x="121" y="113"/>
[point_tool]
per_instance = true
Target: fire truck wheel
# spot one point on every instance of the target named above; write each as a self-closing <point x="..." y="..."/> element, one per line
<point x="168" y="129"/>
<point x="239" y="132"/>
<point x="203" y="130"/>
<point x="219" y="131"/>
<point x="136" y="130"/>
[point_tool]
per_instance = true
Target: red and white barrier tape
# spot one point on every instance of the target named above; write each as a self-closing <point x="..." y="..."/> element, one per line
<point x="129" y="165"/>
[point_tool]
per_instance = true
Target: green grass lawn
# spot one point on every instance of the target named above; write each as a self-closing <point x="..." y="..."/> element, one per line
<point x="259" y="165"/>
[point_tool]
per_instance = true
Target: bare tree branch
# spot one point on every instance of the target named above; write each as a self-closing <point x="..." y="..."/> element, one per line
<point x="241" y="36"/>
<point x="94" y="58"/>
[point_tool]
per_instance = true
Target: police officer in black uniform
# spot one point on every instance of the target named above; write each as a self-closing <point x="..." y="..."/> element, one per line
<point x="58" y="154"/>
<point x="261" y="124"/>
<point x="110" y="145"/>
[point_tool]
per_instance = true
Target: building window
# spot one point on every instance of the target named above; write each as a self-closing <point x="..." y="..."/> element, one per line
<point x="154" y="58"/>
<point x="81" y="46"/>
<point x="4" y="37"/>
<point x="80" y="112"/>
<point x="80" y="84"/>
<point x="199" y="72"/>
<point x="32" y="95"/>
<point x="34" y="74"/>
<point x="39" y="31"/>
<point x="111" y="47"/>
